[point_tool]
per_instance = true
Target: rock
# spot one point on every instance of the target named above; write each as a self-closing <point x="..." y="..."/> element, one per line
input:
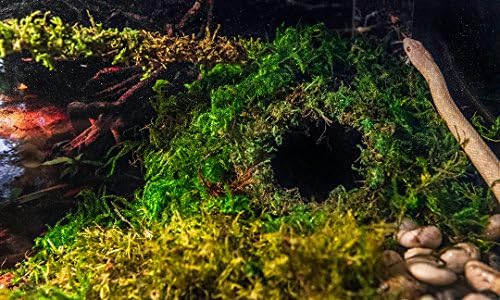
<point x="413" y="252"/>
<point x="492" y="230"/>
<point x="476" y="296"/>
<point x="403" y="286"/>
<point x="456" y="291"/>
<point x="455" y="257"/>
<point x="393" y="263"/>
<point x="494" y="261"/>
<point x="482" y="277"/>
<point x="422" y="237"/>
<point x="429" y="270"/>
<point x="406" y="225"/>
<point x="448" y="294"/>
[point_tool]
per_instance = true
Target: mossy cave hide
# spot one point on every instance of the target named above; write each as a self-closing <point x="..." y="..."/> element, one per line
<point x="214" y="146"/>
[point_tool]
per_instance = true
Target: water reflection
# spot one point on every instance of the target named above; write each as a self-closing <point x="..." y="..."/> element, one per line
<point x="9" y="158"/>
<point x="9" y="168"/>
<point x="3" y="81"/>
<point x="29" y="127"/>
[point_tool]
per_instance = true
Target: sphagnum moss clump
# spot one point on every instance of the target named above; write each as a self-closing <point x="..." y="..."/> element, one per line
<point x="211" y="221"/>
<point x="214" y="256"/>
<point x="48" y="38"/>
<point x="220" y="158"/>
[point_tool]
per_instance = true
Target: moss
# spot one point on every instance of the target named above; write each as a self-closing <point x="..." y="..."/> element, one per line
<point x="219" y="158"/>
<point x="214" y="256"/>
<point x="5" y="294"/>
<point x="48" y="38"/>
<point x="491" y="134"/>
<point x="211" y="220"/>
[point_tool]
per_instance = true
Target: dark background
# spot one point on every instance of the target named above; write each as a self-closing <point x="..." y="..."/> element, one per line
<point x="464" y="38"/>
<point x="463" y="35"/>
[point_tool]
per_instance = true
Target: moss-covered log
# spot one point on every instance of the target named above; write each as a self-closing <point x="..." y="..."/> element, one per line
<point x="47" y="40"/>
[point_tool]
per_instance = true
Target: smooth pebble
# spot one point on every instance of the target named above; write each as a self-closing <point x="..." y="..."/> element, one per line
<point x="456" y="291"/>
<point x="457" y="256"/>
<point x="393" y="263"/>
<point x="405" y="286"/>
<point x="423" y="237"/>
<point x="428" y="270"/>
<point x="427" y="297"/>
<point x="406" y="225"/>
<point x="482" y="277"/>
<point x="492" y="231"/>
<point x="413" y="252"/>
<point x="494" y="261"/>
<point x="476" y="296"/>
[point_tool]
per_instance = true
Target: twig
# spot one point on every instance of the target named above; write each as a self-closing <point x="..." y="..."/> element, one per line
<point x="210" y="12"/>
<point x="93" y="109"/>
<point x="117" y="86"/>
<point x="112" y="71"/>
<point x="191" y="12"/>
<point x="38" y="194"/>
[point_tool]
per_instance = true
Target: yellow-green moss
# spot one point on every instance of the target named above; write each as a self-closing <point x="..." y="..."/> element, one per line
<point x="213" y="256"/>
<point x="48" y="38"/>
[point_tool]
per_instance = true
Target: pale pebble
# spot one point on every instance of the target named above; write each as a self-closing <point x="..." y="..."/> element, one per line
<point x="407" y="224"/>
<point x="494" y="261"/>
<point x="423" y="237"/>
<point x="403" y="285"/>
<point x="482" y="277"/>
<point x="428" y="270"/>
<point x="492" y="230"/>
<point x="476" y="296"/>
<point x="457" y="256"/>
<point x="393" y="263"/>
<point x="413" y="252"/>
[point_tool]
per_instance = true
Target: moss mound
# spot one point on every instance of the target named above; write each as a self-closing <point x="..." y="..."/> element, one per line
<point x="217" y="154"/>
<point x="214" y="257"/>
<point x="215" y="218"/>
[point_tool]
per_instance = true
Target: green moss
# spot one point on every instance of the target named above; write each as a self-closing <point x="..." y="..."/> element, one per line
<point x="491" y="134"/>
<point x="219" y="159"/>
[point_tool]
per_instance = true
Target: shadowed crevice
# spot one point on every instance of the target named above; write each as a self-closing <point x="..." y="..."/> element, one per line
<point x="316" y="159"/>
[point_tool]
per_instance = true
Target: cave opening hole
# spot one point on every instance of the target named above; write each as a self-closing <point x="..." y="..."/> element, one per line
<point x="316" y="158"/>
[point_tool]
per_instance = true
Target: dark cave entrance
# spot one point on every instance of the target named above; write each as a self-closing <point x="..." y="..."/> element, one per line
<point x="316" y="158"/>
